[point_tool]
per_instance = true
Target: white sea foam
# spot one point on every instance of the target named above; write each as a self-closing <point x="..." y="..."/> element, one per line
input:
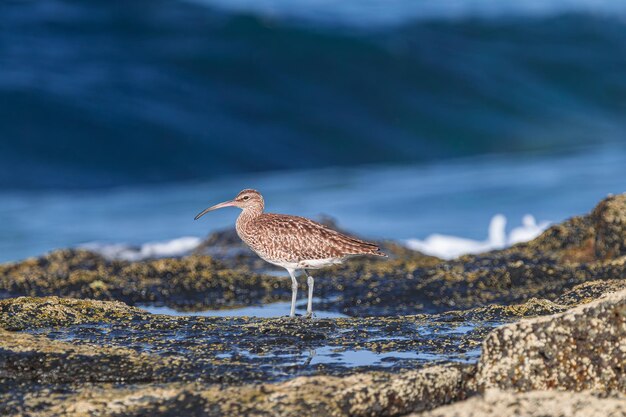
<point x="449" y="247"/>
<point x="175" y="247"/>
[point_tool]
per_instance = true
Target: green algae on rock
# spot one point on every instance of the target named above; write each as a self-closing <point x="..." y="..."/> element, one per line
<point x="34" y="312"/>
<point x="597" y="236"/>
<point x="186" y="283"/>
<point x="590" y="291"/>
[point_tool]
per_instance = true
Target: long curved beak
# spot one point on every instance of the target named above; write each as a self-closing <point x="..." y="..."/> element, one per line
<point x="215" y="207"/>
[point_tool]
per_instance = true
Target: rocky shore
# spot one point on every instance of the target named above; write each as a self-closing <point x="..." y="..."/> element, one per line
<point x="535" y="329"/>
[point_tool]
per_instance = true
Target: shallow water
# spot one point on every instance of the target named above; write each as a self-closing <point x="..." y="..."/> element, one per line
<point x="351" y="358"/>
<point x="369" y="358"/>
<point x="268" y="310"/>
<point x="282" y="348"/>
<point x="334" y="355"/>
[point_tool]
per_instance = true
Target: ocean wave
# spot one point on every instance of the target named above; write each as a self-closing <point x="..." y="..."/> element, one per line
<point x="450" y="247"/>
<point x="394" y="12"/>
<point x="179" y="91"/>
<point x="164" y="249"/>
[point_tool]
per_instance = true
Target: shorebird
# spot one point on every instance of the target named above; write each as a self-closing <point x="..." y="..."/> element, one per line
<point x="292" y="242"/>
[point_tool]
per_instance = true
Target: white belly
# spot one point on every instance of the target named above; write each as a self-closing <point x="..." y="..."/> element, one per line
<point x="307" y="264"/>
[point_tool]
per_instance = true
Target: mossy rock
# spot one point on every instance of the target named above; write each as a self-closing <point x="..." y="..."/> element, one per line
<point x="31" y="312"/>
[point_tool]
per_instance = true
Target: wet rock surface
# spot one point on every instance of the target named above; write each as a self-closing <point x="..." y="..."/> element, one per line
<point x="63" y="352"/>
<point x="243" y="349"/>
<point x="135" y="363"/>
<point x="72" y="341"/>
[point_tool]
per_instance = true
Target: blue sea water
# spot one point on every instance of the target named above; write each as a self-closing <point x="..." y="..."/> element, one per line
<point x="456" y="197"/>
<point x="120" y="120"/>
<point x="97" y="93"/>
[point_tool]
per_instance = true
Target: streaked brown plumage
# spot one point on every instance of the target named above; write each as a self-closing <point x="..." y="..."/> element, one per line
<point x="293" y="242"/>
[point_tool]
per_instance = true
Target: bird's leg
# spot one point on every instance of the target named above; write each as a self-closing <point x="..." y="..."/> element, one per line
<point x="309" y="306"/>
<point x="294" y="292"/>
<point x="308" y="360"/>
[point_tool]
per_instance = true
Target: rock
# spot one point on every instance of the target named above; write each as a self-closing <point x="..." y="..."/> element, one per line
<point x="96" y="343"/>
<point x="196" y="281"/>
<point x="73" y="343"/>
<point x="581" y="349"/>
<point x="564" y="256"/>
<point x="531" y="308"/>
<point x="600" y="235"/>
<point x="496" y="403"/>
<point x="34" y="312"/>
<point x="589" y="291"/>
<point x="28" y="359"/>
<point x="610" y="224"/>
<point x="365" y="394"/>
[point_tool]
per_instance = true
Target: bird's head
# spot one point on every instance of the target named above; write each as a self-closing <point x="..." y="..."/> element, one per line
<point x="246" y="199"/>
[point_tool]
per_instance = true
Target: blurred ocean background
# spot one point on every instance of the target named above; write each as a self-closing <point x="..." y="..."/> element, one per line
<point x="402" y="119"/>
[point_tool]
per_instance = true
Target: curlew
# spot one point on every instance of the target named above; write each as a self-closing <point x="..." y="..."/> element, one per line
<point x="292" y="242"/>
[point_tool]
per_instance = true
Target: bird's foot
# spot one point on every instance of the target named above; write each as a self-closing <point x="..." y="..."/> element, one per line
<point x="308" y="315"/>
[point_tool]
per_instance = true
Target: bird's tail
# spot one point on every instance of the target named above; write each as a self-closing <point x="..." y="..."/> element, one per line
<point x="361" y="247"/>
<point x="371" y="249"/>
<point x="378" y="252"/>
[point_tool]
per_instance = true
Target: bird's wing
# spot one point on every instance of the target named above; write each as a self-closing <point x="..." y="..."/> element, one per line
<point x="298" y="238"/>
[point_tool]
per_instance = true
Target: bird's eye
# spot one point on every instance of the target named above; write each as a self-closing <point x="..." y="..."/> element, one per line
<point x="246" y="197"/>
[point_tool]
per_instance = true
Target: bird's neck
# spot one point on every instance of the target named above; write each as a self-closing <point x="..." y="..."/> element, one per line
<point x="247" y="215"/>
